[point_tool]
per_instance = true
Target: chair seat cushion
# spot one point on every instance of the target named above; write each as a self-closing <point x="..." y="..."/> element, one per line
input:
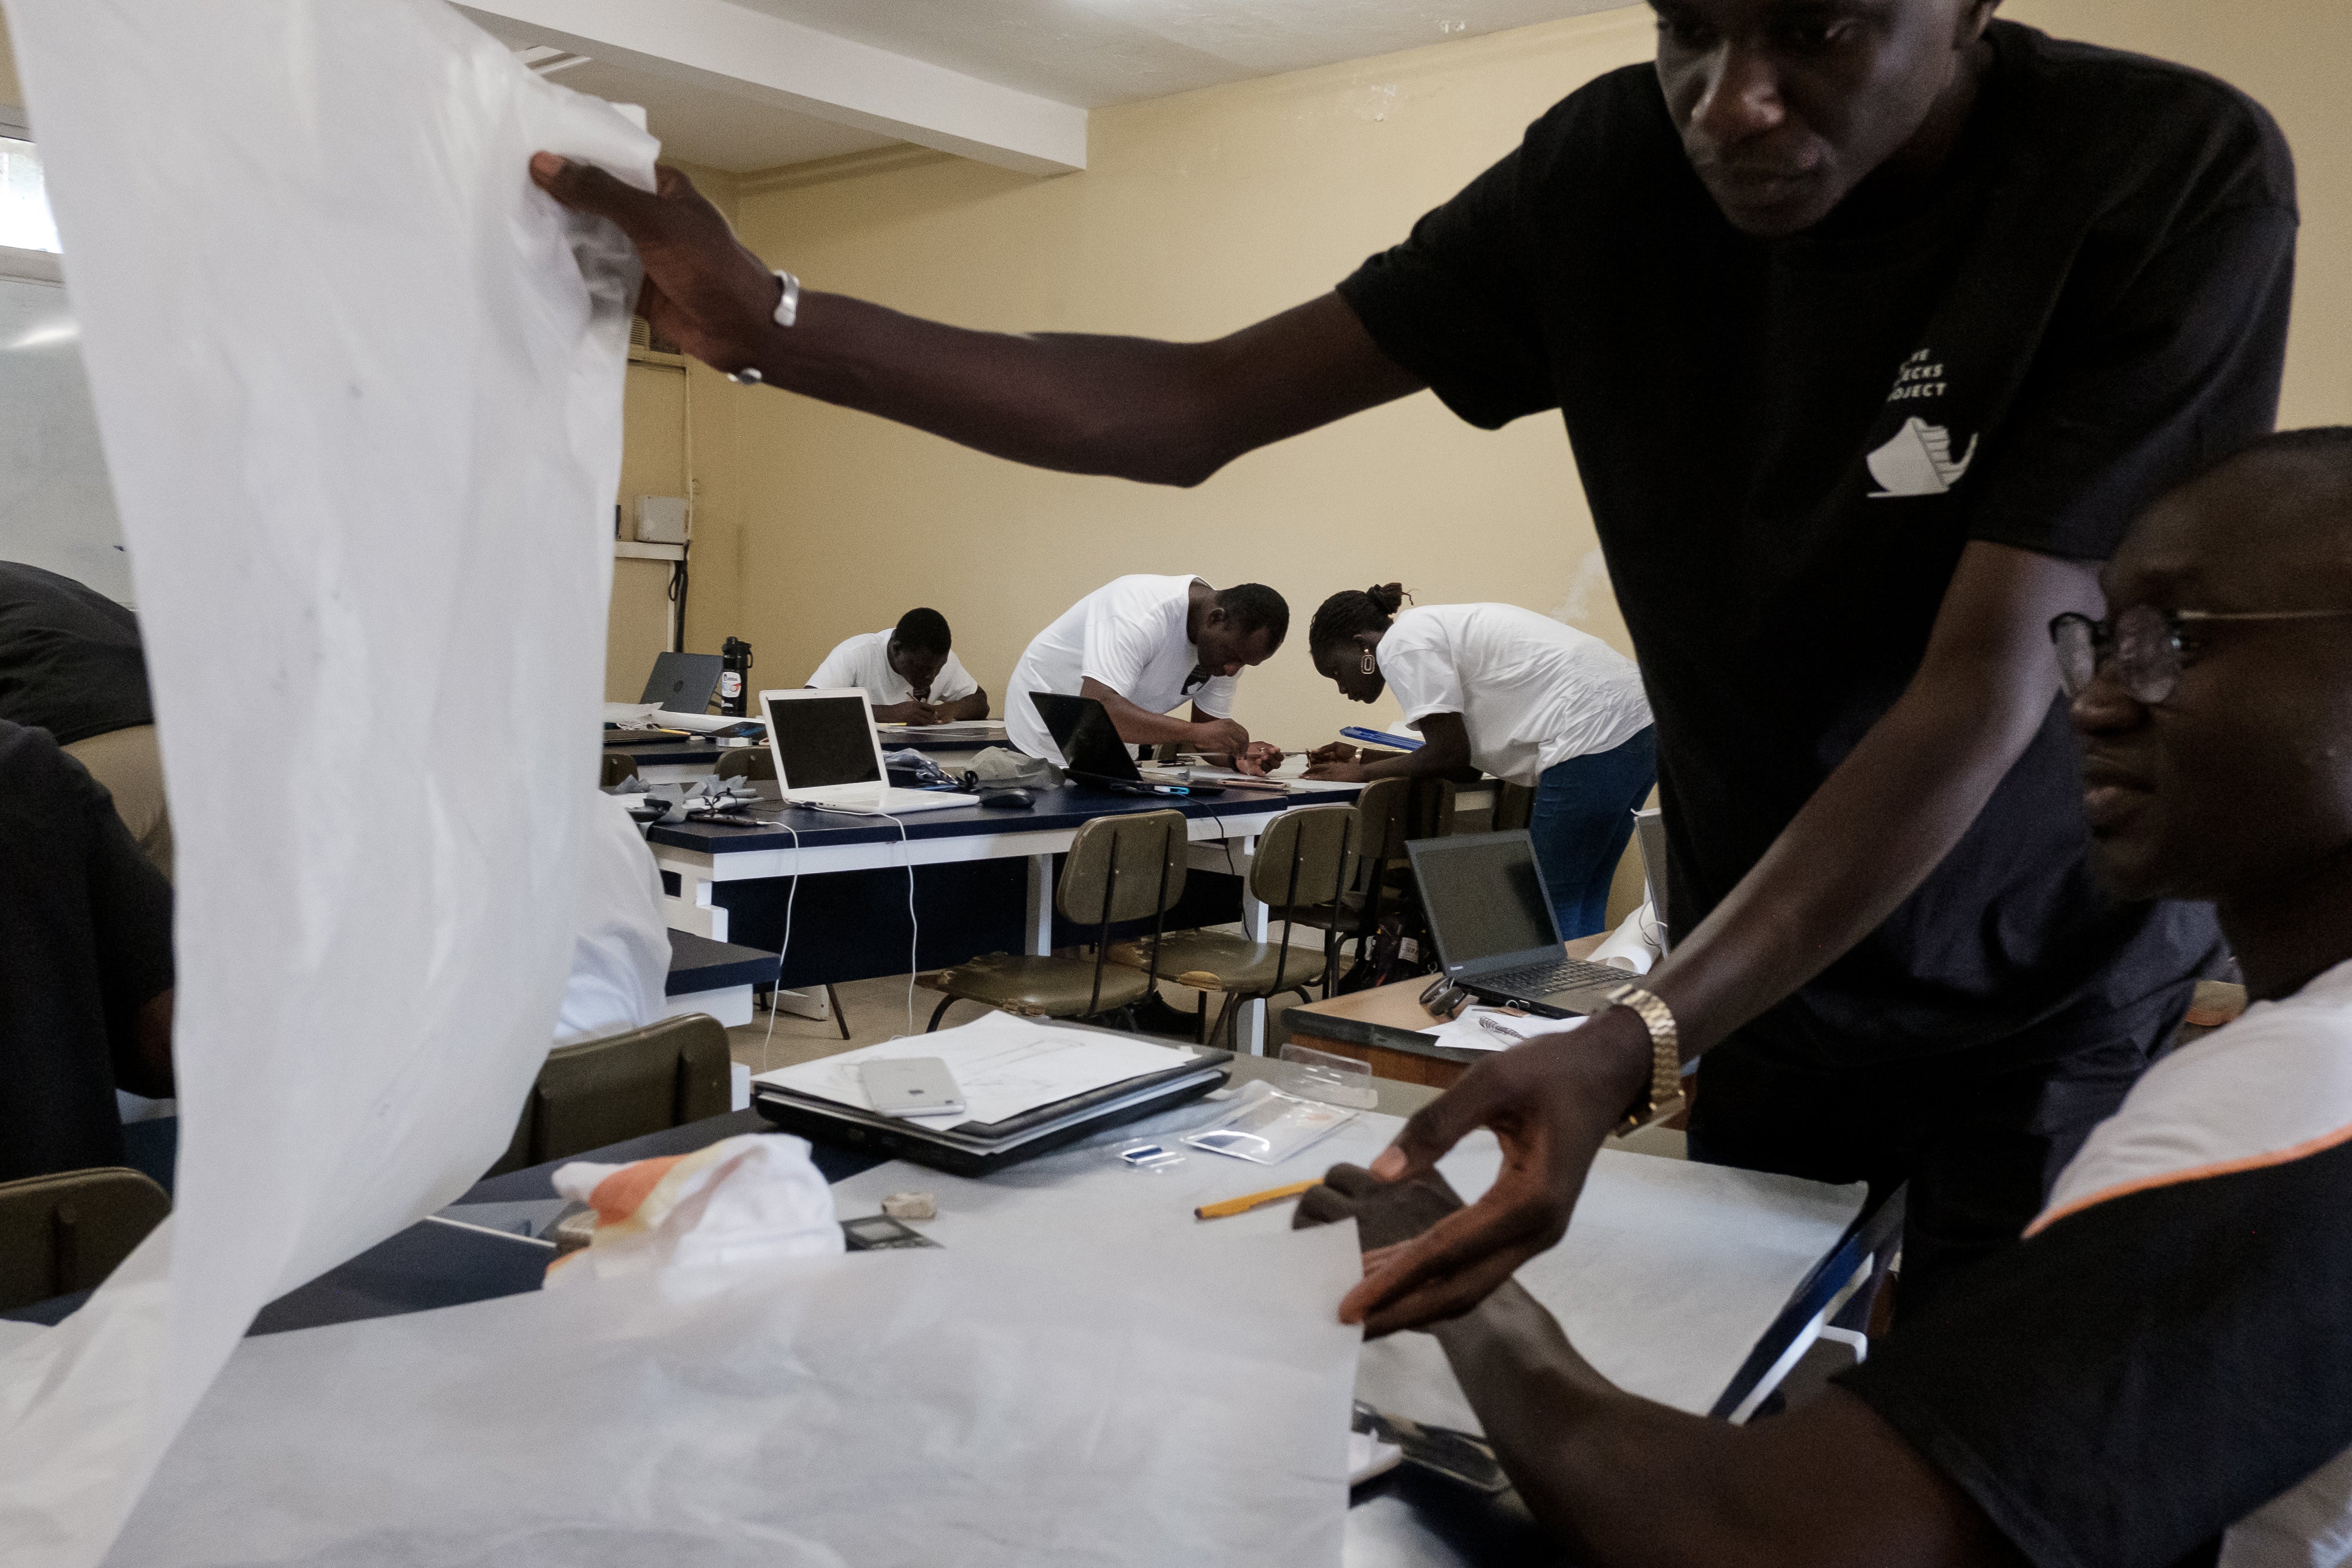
<point x="1214" y="961"/>
<point x="1038" y="988"/>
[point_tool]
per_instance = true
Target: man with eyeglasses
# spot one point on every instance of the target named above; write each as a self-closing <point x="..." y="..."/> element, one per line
<point x="1872" y="323"/>
<point x="2156" y="1374"/>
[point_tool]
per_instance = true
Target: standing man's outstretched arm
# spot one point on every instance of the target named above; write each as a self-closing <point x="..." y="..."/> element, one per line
<point x="1169" y="414"/>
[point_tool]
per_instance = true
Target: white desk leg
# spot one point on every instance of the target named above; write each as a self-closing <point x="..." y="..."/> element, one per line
<point x="1037" y="937"/>
<point x="1250" y="1028"/>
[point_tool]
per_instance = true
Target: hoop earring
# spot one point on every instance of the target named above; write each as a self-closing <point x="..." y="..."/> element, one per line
<point x="1370" y="666"/>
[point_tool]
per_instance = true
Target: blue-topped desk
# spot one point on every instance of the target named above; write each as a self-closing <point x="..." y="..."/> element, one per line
<point x="984" y="878"/>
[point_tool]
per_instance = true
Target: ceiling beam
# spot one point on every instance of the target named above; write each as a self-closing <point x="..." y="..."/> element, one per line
<point x="747" y="54"/>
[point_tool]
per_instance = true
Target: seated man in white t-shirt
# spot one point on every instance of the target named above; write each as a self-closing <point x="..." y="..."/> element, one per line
<point x="1141" y="646"/>
<point x="910" y="672"/>
<point x="620" y="957"/>
<point x="2159" y="1372"/>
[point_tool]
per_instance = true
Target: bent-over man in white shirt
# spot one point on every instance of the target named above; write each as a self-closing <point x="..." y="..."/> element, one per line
<point x="909" y="672"/>
<point x="1140" y="646"/>
<point x="1518" y="694"/>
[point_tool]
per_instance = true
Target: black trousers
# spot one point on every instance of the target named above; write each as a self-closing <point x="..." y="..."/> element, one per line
<point x="1978" y="1149"/>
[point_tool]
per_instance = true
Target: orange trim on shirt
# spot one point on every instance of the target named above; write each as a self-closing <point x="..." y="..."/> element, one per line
<point x="2196" y="1173"/>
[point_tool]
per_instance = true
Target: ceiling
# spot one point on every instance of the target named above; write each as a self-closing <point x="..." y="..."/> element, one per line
<point x="1088" y="53"/>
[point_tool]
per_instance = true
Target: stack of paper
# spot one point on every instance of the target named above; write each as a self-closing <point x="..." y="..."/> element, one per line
<point x="1023" y="1081"/>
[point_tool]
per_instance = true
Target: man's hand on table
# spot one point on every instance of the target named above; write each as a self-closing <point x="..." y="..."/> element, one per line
<point x="1550" y="1103"/>
<point x="1336" y="772"/>
<point x="1259" y="756"/>
<point x="703" y="290"/>
<point x="909" y="712"/>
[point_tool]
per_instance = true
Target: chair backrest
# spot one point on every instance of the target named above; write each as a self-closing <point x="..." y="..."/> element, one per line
<point x="752" y="762"/>
<point x="623" y="1086"/>
<point x="1515" y="807"/>
<point x="1137" y="859"/>
<point x="1391" y="810"/>
<point x="1302" y="855"/>
<point x="618" y="765"/>
<point x="66" y="1232"/>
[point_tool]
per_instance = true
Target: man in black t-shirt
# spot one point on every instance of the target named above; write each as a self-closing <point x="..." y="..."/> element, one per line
<point x="85" y="963"/>
<point x="1872" y="322"/>
<point x="2158" y="1375"/>
<point x="71" y="662"/>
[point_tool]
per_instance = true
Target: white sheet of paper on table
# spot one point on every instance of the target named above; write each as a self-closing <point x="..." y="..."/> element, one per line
<point x="360" y="390"/>
<point x="1003" y="1065"/>
<point x="1053" y="1402"/>
<point x="1492" y="1029"/>
<point x="1669" y="1272"/>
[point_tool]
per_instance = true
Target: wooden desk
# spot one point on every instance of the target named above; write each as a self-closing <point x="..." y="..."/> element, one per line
<point x="1392" y="1017"/>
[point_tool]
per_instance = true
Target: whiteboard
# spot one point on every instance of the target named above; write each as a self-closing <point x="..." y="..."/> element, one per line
<point x="56" y="509"/>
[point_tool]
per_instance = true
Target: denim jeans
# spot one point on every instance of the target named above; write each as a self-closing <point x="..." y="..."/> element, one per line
<point x="1583" y="816"/>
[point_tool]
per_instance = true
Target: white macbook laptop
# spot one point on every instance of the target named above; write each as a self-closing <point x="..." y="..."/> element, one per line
<point x="828" y="754"/>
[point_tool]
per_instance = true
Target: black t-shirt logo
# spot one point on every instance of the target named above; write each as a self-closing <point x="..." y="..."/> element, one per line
<point x="1919" y="461"/>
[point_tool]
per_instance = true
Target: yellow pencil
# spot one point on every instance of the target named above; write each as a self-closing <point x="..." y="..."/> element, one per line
<point x="1233" y="1205"/>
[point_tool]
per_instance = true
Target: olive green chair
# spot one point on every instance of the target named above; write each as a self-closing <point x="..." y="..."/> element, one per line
<point x="1301" y="859"/>
<point x="751" y="762"/>
<point x="1118" y="869"/>
<point x="1515" y="807"/>
<point x="624" y="1086"/>
<point x="66" y="1232"/>
<point x="1379" y="882"/>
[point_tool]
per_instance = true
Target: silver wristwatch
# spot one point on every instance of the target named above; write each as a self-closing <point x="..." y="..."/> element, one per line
<point x="788" y="311"/>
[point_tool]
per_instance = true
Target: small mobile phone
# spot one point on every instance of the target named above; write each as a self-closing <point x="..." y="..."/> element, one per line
<point x="910" y="1086"/>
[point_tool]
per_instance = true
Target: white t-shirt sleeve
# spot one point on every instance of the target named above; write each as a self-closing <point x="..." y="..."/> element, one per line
<point x="955" y="682"/>
<point x="1420" y="669"/>
<point x="1215" y="696"/>
<point x="841" y="667"/>
<point x="620" y="954"/>
<point x="1123" y="631"/>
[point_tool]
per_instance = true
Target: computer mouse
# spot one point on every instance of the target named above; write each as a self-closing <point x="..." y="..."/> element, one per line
<point x="1014" y="799"/>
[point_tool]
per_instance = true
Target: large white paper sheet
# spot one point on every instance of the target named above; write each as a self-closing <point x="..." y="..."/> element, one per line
<point x="1668" y="1274"/>
<point x="359" y="386"/>
<point x="1053" y="1402"/>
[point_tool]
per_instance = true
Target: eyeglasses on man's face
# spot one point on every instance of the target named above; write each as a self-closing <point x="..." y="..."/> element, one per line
<point x="2145" y="643"/>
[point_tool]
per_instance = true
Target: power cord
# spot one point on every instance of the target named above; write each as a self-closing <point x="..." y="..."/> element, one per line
<point x="914" y="922"/>
<point x="767" y="1060"/>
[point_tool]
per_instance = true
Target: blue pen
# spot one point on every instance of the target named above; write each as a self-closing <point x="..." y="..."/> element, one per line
<point x="1381" y="738"/>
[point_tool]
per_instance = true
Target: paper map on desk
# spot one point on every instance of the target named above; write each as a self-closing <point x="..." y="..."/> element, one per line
<point x="1004" y="1065"/>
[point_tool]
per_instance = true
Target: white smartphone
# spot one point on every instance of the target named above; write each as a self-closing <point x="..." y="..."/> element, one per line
<point x="910" y="1086"/>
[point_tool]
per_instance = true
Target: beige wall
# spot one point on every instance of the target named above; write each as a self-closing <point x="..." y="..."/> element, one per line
<point x="1203" y="212"/>
<point x="1197" y="215"/>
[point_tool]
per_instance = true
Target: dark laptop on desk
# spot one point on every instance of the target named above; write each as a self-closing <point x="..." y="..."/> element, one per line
<point x="1488" y="908"/>
<point x="682" y="682"/>
<point x="1092" y="752"/>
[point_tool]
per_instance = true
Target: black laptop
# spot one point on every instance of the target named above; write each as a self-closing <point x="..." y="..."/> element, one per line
<point x="682" y="682"/>
<point x="1092" y="752"/>
<point x="1488" y="908"/>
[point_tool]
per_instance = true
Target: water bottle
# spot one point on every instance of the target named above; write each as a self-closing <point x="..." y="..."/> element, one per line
<point x="734" y="660"/>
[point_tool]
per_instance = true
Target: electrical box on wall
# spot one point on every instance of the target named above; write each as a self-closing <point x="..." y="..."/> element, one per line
<point x="663" y="520"/>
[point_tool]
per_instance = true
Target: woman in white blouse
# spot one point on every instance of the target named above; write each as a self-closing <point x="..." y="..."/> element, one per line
<point x="1513" y="694"/>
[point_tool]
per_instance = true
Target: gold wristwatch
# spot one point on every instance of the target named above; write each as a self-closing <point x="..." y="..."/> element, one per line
<point x="1666" y="1054"/>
